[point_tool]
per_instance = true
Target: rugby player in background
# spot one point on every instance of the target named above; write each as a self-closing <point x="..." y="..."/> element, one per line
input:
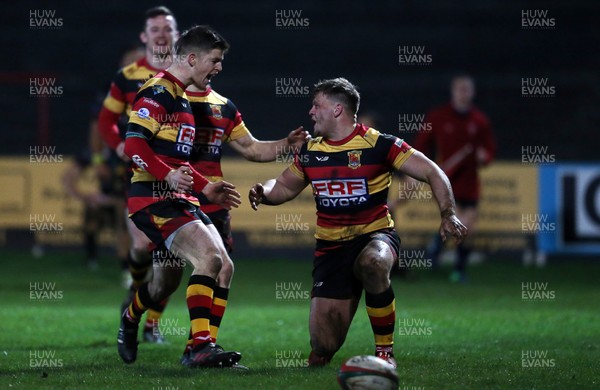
<point x="349" y="167"/>
<point x="159" y="140"/>
<point x="461" y="141"/>
<point x="158" y="36"/>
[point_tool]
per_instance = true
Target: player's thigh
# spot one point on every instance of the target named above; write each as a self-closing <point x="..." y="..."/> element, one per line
<point x="222" y="221"/>
<point x="217" y="239"/>
<point x="139" y="239"/>
<point x="329" y="321"/>
<point x="175" y="225"/>
<point x="227" y="264"/>
<point x="195" y="242"/>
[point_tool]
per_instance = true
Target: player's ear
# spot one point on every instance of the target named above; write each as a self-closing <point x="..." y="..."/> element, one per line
<point x="191" y="59"/>
<point x="337" y="110"/>
<point x="143" y="37"/>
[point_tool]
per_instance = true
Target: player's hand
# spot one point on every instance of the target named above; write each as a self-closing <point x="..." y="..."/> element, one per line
<point x="297" y="137"/>
<point x="223" y="194"/>
<point x="120" y="150"/>
<point x="180" y="179"/>
<point x="451" y="226"/>
<point x="255" y="195"/>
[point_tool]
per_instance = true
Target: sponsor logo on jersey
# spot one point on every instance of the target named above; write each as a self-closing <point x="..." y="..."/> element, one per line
<point x="143" y="113"/>
<point x="185" y="138"/>
<point x="340" y="192"/>
<point x="354" y="159"/>
<point x="209" y="136"/>
<point x="208" y="140"/>
<point x="158" y="89"/>
<point x="216" y="111"/>
<point x="322" y="158"/>
<point x="151" y="102"/>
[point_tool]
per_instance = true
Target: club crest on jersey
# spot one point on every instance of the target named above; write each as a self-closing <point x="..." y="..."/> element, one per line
<point x="216" y="111"/>
<point x="158" y="89"/>
<point x="354" y="159"/>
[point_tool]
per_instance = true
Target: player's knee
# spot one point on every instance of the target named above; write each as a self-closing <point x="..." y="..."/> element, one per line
<point x="373" y="263"/>
<point x="214" y="261"/>
<point x="227" y="269"/>
<point x="159" y="290"/>
<point x="140" y="251"/>
<point x="164" y="283"/>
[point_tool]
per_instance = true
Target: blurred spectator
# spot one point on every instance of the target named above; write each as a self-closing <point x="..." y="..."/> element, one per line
<point x="102" y="207"/>
<point x="461" y="141"/>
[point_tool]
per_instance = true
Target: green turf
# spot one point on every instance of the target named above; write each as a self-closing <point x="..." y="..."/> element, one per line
<point x="472" y="336"/>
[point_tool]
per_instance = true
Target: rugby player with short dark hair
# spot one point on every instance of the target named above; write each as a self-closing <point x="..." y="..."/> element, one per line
<point x="349" y="167"/>
<point x="159" y="140"/>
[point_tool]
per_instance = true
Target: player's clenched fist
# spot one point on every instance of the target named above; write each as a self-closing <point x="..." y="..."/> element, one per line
<point x="255" y="195"/>
<point x="180" y="179"/>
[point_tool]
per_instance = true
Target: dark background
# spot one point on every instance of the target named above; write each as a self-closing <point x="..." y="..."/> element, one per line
<point x="358" y="40"/>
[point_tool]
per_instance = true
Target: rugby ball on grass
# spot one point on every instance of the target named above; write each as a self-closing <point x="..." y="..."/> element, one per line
<point x="367" y="372"/>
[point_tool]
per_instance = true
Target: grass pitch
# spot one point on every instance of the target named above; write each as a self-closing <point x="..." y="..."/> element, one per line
<point x="509" y="328"/>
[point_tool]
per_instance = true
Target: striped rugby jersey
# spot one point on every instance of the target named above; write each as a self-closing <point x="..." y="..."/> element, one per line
<point x="161" y="115"/>
<point x="350" y="179"/>
<point x="126" y="84"/>
<point x="217" y="120"/>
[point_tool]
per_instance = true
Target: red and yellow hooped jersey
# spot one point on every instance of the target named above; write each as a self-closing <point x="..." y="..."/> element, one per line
<point x="218" y="121"/>
<point x="162" y="116"/>
<point x="350" y="181"/>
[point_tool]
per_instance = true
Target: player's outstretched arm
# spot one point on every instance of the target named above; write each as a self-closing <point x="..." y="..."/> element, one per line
<point x="276" y="191"/>
<point x="421" y="168"/>
<point x="264" y="151"/>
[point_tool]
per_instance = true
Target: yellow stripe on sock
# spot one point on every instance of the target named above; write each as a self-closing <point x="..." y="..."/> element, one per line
<point x="198" y="289"/>
<point x="387" y="339"/>
<point x="382" y="311"/>
<point x="200" y="324"/>
<point x="214" y="331"/>
<point x="153" y="315"/>
<point x="220" y="302"/>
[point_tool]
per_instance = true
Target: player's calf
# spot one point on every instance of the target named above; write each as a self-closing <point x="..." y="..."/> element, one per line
<point x="329" y="323"/>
